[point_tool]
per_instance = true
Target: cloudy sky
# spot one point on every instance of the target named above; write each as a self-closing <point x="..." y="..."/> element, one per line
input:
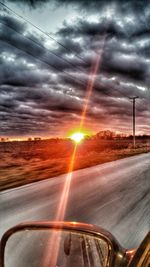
<point x="46" y="61"/>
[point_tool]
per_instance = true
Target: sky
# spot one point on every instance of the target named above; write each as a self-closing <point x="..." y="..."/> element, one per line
<point x="48" y="49"/>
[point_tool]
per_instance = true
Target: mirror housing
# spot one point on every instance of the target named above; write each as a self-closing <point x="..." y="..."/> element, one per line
<point x="141" y="257"/>
<point x="117" y="255"/>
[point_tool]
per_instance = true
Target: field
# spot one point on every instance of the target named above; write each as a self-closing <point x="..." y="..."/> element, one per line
<point x="29" y="161"/>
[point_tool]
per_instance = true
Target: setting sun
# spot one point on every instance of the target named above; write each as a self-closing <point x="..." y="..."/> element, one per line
<point x="77" y="137"/>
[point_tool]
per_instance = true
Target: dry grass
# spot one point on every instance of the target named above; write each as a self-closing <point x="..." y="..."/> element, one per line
<point x="26" y="162"/>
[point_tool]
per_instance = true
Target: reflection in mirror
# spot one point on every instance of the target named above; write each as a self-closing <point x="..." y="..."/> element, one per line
<point x="37" y="248"/>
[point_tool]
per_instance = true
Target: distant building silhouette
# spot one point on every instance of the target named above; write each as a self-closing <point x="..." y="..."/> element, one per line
<point x="4" y="139"/>
<point x="108" y="135"/>
<point x="37" y="138"/>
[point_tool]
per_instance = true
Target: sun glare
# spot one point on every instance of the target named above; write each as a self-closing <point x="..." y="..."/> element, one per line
<point x="77" y="137"/>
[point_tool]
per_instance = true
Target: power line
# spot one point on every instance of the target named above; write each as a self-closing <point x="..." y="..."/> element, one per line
<point x="138" y="105"/>
<point x="79" y="81"/>
<point x="51" y="65"/>
<point x="45" y="33"/>
<point x="48" y="35"/>
<point x="42" y="46"/>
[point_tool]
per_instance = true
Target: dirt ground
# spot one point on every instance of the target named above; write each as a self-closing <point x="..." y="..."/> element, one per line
<point x="31" y="161"/>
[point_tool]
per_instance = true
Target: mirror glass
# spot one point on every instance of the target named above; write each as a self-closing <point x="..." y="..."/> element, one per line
<point x="55" y="248"/>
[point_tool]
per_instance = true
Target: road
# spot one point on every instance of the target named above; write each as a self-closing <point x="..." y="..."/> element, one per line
<point x="114" y="195"/>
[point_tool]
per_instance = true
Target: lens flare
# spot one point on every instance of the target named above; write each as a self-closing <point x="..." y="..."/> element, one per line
<point x="52" y="250"/>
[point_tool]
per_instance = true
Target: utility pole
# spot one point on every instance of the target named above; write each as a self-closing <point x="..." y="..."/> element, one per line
<point x="133" y="113"/>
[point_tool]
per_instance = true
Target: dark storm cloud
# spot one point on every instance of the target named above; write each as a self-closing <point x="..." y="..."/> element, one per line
<point x="121" y="54"/>
<point x="70" y="45"/>
<point x="132" y="67"/>
<point x="84" y="28"/>
<point x="18" y="74"/>
<point x="25" y="111"/>
<point x="30" y="45"/>
<point x="31" y="3"/>
<point x="86" y="4"/>
<point x="40" y="91"/>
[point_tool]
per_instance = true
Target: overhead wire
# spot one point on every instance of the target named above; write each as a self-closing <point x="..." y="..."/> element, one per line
<point x="59" y="43"/>
<point x="79" y="81"/>
<point x="58" y="56"/>
<point x="49" y="64"/>
<point x="45" y="33"/>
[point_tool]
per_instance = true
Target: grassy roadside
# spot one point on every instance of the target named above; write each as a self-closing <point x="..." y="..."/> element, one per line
<point x="25" y="162"/>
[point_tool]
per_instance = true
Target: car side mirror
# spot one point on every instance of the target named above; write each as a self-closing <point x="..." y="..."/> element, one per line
<point x="45" y="244"/>
<point x="141" y="257"/>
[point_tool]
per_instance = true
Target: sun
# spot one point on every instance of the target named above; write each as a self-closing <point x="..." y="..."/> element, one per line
<point x="77" y="137"/>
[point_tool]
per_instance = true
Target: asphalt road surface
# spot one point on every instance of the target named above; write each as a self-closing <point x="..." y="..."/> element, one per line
<point x="115" y="196"/>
